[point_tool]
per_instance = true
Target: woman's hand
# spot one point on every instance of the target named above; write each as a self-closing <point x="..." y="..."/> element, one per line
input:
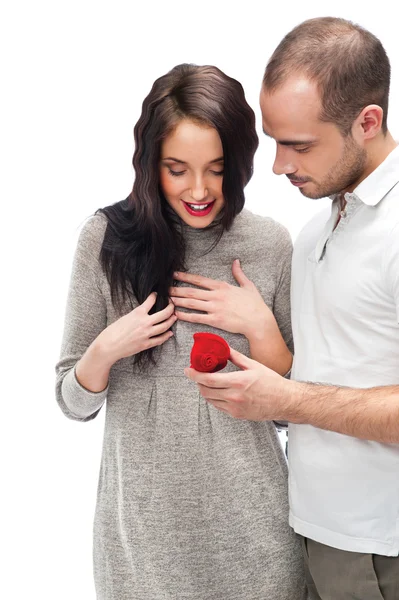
<point x="227" y="307"/>
<point x="127" y="336"/>
<point x="136" y="331"/>
<point x="237" y="310"/>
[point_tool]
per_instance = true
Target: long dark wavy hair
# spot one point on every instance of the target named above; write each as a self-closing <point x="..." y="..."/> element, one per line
<point x="143" y="243"/>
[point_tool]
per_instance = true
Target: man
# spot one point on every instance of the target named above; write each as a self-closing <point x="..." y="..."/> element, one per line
<point x="324" y="101"/>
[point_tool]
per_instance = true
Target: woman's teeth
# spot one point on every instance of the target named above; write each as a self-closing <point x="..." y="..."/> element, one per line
<point x="200" y="210"/>
<point x="198" y="206"/>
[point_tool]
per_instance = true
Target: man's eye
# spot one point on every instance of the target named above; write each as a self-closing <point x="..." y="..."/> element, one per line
<point x="302" y="150"/>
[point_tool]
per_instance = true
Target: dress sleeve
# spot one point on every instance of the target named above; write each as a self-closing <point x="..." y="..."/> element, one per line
<point x="282" y="298"/>
<point x="85" y="318"/>
<point x="282" y="301"/>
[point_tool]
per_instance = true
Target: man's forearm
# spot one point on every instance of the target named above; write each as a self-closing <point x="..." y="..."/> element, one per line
<point x="370" y="414"/>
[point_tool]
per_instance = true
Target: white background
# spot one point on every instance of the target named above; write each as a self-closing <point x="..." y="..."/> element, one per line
<point x="73" y="76"/>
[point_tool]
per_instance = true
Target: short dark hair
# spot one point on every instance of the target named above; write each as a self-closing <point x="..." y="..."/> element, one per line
<point x="348" y="63"/>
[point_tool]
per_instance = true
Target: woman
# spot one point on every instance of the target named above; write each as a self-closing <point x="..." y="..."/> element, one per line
<point x="192" y="504"/>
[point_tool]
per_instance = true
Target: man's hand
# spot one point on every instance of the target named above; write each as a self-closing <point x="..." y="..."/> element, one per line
<point x="255" y="393"/>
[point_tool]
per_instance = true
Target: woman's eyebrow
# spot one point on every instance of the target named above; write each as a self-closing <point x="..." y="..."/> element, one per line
<point x="215" y="160"/>
<point x="174" y="159"/>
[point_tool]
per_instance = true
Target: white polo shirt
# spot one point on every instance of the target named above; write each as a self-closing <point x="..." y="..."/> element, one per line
<point x="344" y="492"/>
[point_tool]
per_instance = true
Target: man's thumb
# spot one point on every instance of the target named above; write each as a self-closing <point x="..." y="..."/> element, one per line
<point x="240" y="360"/>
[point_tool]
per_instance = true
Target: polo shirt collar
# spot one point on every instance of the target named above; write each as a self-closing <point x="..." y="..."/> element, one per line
<point x="379" y="183"/>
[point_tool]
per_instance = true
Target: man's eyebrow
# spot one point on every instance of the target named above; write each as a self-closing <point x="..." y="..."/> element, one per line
<point x="291" y="142"/>
<point x="182" y="162"/>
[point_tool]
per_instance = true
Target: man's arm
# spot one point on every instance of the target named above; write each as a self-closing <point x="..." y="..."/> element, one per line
<point x="257" y="393"/>
<point x="370" y="414"/>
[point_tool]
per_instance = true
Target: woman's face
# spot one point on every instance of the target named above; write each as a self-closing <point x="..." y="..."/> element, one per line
<point x="191" y="173"/>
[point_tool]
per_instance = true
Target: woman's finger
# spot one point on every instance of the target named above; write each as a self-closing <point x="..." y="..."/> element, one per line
<point x="164" y="326"/>
<point x="189" y="292"/>
<point x="191" y="304"/>
<point x="162" y="315"/>
<point x="198" y="280"/>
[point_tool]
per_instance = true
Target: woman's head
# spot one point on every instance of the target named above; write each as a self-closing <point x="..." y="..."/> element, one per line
<point x="199" y="116"/>
<point x="194" y="145"/>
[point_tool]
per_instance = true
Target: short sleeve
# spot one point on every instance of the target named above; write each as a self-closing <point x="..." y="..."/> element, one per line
<point x="390" y="265"/>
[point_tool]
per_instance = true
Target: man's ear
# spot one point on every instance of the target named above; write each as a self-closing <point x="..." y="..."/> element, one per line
<point x="368" y="123"/>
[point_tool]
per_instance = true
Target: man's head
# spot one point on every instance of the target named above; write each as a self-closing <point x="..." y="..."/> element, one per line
<point x="324" y="100"/>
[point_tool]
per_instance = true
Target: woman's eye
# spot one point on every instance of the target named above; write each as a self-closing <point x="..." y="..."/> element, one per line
<point x="217" y="173"/>
<point x="176" y="173"/>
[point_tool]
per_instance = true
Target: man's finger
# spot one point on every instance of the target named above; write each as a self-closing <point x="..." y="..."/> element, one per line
<point x="240" y="360"/>
<point x="213" y="393"/>
<point x="222" y="406"/>
<point x="212" y="380"/>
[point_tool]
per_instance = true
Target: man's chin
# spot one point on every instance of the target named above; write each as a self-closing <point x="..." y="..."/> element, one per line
<point x="312" y="195"/>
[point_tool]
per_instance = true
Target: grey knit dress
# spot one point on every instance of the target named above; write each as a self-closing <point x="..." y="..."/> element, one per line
<point x="192" y="504"/>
